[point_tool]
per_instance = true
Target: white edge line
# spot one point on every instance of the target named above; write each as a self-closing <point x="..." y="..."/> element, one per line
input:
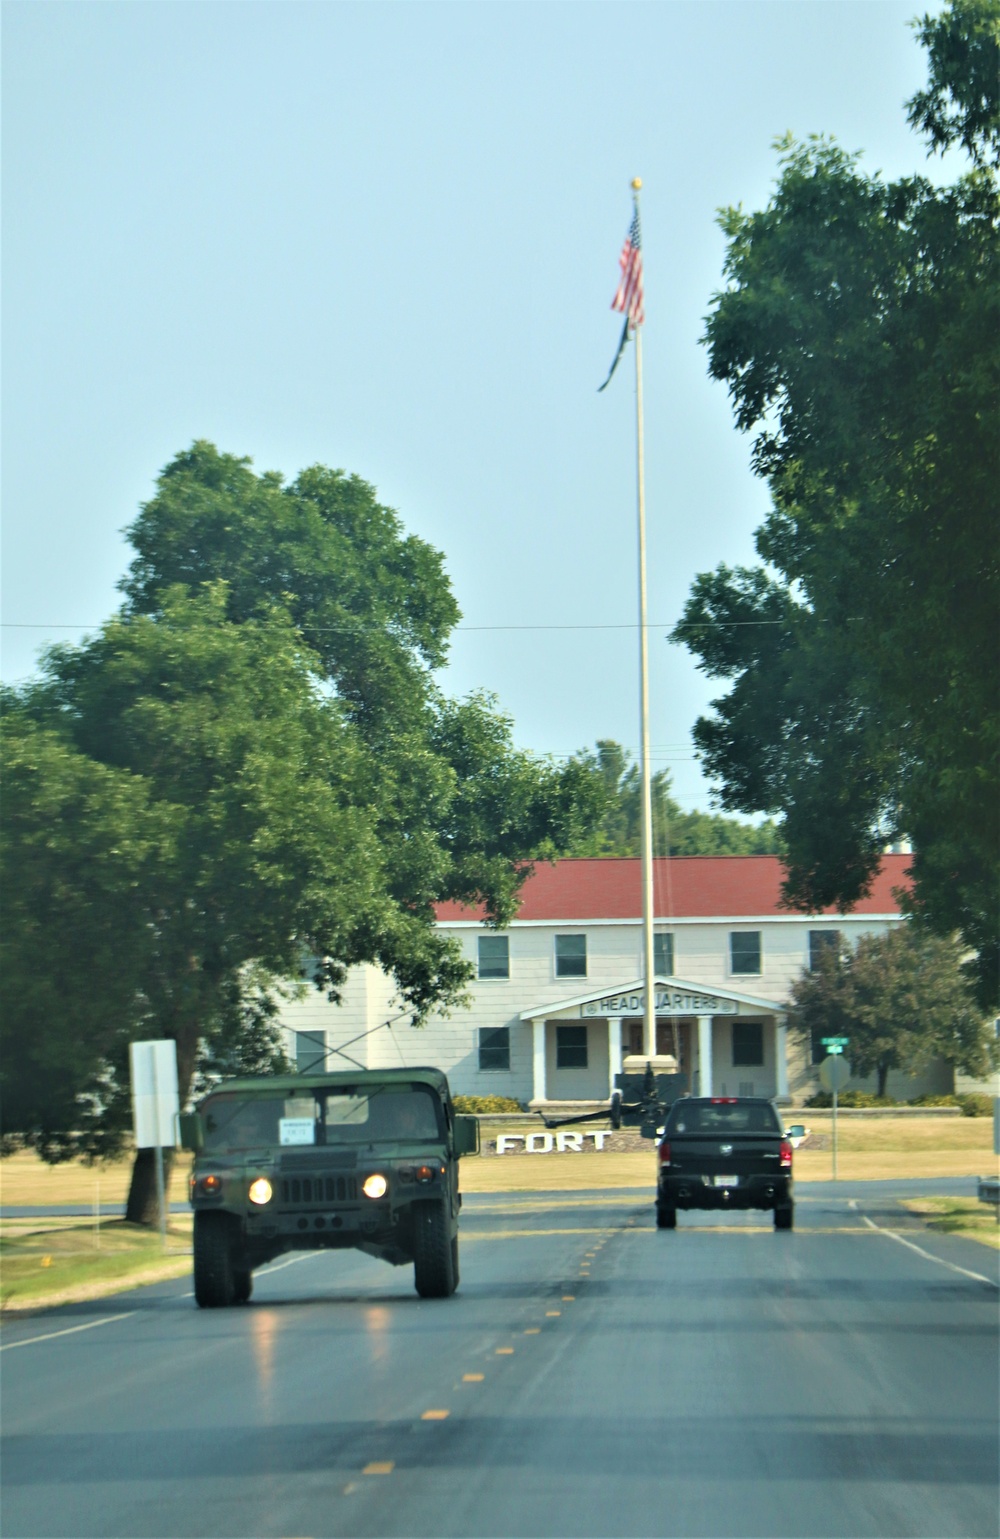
<point x="71" y="1330"/>
<point x="892" y="1235"/>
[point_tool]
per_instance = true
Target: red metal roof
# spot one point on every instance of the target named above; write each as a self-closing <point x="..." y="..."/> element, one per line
<point x="689" y="886"/>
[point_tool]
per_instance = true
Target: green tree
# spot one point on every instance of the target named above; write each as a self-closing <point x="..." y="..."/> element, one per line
<point x="81" y="841"/>
<point x="619" y="831"/>
<point x="307" y="800"/>
<point x="858" y="336"/>
<point x="901" y="998"/>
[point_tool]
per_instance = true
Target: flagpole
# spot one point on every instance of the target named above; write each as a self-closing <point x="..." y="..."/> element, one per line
<point x="648" y="972"/>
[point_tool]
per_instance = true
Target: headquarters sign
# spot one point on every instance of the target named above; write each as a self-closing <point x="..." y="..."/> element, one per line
<point x="668" y="1002"/>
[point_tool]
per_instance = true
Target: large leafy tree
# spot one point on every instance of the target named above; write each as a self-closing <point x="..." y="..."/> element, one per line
<point x="859" y="337"/>
<point x="675" y="832"/>
<point x="262" y="720"/>
<point x="900" y="998"/>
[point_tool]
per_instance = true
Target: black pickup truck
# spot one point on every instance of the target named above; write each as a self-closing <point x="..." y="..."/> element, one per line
<point x="723" y="1152"/>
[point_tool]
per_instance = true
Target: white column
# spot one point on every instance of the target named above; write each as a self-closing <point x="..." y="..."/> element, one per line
<point x="614" y="1050"/>
<point x="538" y="1062"/>
<point x="781" y="1056"/>
<point x="704" y="1055"/>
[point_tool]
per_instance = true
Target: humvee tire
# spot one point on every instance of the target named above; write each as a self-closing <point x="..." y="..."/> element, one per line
<point x="242" y="1285"/>
<point x="666" y="1218"/>
<point x="214" y="1274"/>
<point x="433" y="1255"/>
<point x="784" y="1218"/>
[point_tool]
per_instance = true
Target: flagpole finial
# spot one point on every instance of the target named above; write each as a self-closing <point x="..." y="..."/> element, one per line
<point x="636" y="183"/>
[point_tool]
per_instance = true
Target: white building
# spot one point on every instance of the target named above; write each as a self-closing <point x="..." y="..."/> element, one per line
<point x="557" y="998"/>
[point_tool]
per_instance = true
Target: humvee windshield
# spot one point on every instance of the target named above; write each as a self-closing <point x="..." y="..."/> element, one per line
<point x="340" y="1115"/>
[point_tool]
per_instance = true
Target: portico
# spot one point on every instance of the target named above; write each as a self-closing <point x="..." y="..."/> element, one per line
<point x="725" y="1041"/>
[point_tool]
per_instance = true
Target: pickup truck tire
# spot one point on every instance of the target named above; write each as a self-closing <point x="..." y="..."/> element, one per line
<point x="214" y="1274"/>
<point x="433" y="1255"/>
<point x="242" y="1285"/>
<point x="784" y="1218"/>
<point x="666" y="1218"/>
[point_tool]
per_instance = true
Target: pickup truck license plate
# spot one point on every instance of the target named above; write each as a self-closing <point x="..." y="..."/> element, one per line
<point x="727" y="1180"/>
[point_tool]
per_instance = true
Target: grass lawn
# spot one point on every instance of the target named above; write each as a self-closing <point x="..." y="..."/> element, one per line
<point x="966" y="1216"/>
<point x="868" y="1149"/>
<point x="51" y="1261"/>
<point x="26" y="1181"/>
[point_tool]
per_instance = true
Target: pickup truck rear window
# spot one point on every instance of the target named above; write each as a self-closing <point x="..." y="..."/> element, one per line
<point x="734" y="1117"/>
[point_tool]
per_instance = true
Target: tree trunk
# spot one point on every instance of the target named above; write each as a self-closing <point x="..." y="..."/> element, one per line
<point x="882" y="1069"/>
<point x="142" y="1207"/>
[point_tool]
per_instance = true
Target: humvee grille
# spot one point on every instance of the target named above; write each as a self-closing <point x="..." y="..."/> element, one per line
<point x="299" y="1191"/>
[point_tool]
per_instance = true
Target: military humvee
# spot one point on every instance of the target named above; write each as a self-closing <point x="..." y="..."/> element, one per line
<point x="357" y="1159"/>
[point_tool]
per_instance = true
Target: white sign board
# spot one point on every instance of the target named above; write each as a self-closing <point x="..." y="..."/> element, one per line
<point x="154" y="1093"/>
<point x="668" y="1002"/>
<point x="296" y="1130"/>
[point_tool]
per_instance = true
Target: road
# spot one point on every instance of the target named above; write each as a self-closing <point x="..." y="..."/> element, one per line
<point x="591" y="1377"/>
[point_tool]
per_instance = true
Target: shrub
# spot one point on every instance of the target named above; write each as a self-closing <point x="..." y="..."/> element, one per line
<point x="823" y="1098"/>
<point x="479" y="1104"/>
<point x="934" y="1100"/>
<point x="976" y="1104"/>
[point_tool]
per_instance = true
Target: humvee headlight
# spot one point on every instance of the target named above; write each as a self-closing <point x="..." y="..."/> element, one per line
<point x="375" y="1186"/>
<point x="261" y="1191"/>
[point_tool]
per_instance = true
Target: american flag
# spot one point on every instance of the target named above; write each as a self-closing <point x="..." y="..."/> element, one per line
<point x="629" y="298"/>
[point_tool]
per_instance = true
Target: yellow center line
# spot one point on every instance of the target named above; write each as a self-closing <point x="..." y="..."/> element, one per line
<point x="434" y="1415"/>
<point x="505" y="1352"/>
<point x="379" y="1467"/>
<point x="533" y="1330"/>
<point x="552" y="1314"/>
<point x="473" y="1378"/>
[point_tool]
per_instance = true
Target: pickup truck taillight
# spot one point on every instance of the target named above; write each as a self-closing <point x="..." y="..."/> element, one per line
<point x="664" y="1153"/>
<point x="785" y="1158"/>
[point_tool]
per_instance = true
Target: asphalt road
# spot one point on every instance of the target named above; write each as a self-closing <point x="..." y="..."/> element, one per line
<point x="591" y="1377"/>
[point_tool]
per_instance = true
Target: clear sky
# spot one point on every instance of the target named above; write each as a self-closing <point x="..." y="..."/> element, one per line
<point x="385" y="237"/>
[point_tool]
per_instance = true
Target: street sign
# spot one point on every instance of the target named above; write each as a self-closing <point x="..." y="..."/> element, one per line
<point x="835" y="1041"/>
<point x="154" y="1093"/>
<point x="834" y="1073"/>
<point x="155" y="1107"/>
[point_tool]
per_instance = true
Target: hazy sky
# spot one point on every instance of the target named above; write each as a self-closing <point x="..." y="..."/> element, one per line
<point x="385" y="237"/>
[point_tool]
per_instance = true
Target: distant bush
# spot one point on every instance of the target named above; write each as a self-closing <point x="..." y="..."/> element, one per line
<point x="477" y="1105"/>
<point x="850" y="1098"/>
<point x="935" y="1100"/>
<point x="976" y="1104"/>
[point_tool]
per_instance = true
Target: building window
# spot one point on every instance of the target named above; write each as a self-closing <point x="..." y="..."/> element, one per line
<point x="494" y="1048"/>
<point x="744" y="951"/>
<point x="571" y="956"/>
<point x="663" y="956"/>
<point x="820" y="941"/>
<point x="310" y="1051"/>
<point x="494" y="956"/>
<point x="571" y="1047"/>
<point x="748" y="1045"/>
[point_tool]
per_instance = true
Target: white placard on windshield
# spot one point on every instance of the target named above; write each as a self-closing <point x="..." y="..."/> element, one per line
<point x="296" y="1130"/>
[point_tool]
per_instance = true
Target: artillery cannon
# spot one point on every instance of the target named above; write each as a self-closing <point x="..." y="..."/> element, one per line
<point x="644" y="1092"/>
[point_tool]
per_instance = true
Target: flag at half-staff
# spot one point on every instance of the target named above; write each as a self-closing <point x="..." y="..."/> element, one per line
<point x="628" y="300"/>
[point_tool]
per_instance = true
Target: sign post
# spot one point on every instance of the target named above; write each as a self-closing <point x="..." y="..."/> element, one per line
<point x="155" y="1105"/>
<point x="834" y="1072"/>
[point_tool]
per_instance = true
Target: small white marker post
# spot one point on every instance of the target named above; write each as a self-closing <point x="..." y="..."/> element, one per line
<point x="835" y="1073"/>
